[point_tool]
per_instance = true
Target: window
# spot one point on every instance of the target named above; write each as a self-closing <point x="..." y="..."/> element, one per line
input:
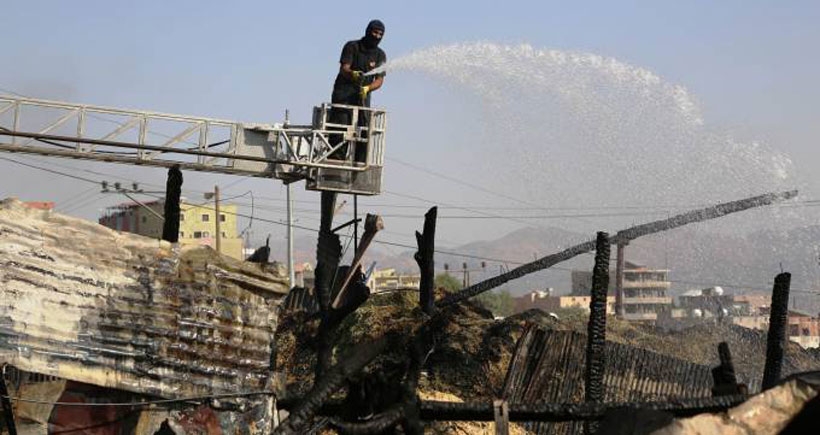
<point x="206" y="218"/>
<point x="197" y="234"/>
<point x="224" y="235"/>
<point x="221" y="217"/>
<point x="181" y="217"/>
<point x="794" y="330"/>
<point x="144" y="219"/>
<point x="182" y="234"/>
<point x="806" y="332"/>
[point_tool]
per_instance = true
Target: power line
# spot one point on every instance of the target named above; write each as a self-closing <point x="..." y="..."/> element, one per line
<point x="388" y="243"/>
<point x="87" y="180"/>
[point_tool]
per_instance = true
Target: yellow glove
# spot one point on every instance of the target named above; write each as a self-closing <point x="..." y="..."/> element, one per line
<point x="363" y="92"/>
<point x="357" y="76"/>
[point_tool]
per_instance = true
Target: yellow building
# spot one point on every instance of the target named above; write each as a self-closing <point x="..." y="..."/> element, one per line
<point x="197" y="223"/>
<point x="546" y="302"/>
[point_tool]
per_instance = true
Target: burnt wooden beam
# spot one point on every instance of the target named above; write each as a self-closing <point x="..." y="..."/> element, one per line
<point x="623" y="236"/>
<point x="558" y="412"/>
<point x="377" y="425"/>
<point x="776" y="338"/>
<point x="329" y="383"/>
<point x="372" y="225"/>
<point x="596" y="327"/>
<point x="173" y="193"/>
<point x="424" y="258"/>
<point x="724" y="375"/>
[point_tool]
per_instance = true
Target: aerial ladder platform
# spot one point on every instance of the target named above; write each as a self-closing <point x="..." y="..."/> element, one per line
<point x="330" y="157"/>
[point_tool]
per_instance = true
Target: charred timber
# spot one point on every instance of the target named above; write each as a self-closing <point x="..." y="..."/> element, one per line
<point x="724" y="375"/>
<point x="331" y="381"/>
<point x="596" y="327"/>
<point x="559" y="412"/>
<point x="623" y="236"/>
<point x="776" y="339"/>
<point x="424" y="258"/>
<point x="173" y="193"/>
<point x="377" y="425"/>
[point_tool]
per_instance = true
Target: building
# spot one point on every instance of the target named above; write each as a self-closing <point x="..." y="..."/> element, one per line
<point x="545" y="301"/>
<point x="40" y="205"/>
<point x="644" y="290"/>
<point x="710" y="302"/>
<point x="197" y="224"/>
<point x="304" y="275"/>
<point x="389" y="279"/>
<point x="804" y="329"/>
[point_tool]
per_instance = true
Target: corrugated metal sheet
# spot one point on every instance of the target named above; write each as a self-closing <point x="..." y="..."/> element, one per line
<point x="88" y="304"/>
<point x="548" y="366"/>
<point x="300" y="298"/>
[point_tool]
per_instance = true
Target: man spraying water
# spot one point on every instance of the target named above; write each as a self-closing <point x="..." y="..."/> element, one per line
<point x="353" y="85"/>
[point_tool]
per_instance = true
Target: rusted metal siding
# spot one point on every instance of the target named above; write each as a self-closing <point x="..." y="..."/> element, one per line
<point x="88" y="304"/>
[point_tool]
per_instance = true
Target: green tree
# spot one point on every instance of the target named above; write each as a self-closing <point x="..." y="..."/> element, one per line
<point x="500" y="303"/>
<point x="449" y="283"/>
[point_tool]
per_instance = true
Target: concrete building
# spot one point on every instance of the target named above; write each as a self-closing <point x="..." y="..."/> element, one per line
<point x="645" y="290"/>
<point x="544" y="300"/>
<point x="389" y="279"/>
<point x="304" y="275"/>
<point x="804" y="329"/>
<point x="40" y="205"/>
<point x="197" y="224"/>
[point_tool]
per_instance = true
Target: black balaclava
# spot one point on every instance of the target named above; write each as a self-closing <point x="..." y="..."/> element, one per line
<point x="368" y="40"/>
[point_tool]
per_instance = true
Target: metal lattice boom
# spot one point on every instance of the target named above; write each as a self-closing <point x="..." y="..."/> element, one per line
<point x="345" y="158"/>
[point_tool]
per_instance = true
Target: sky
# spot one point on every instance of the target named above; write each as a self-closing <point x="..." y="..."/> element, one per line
<point x="751" y="67"/>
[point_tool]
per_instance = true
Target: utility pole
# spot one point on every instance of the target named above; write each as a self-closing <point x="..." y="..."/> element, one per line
<point x="291" y="271"/>
<point x="218" y="219"/>
<point x="619" y="280"/>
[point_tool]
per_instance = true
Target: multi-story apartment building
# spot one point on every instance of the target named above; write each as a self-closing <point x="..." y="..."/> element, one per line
<point x="644" y="290"/>
<point x="197" y="224"/>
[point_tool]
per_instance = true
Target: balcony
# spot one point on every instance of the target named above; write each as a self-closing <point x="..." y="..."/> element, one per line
<point x="662" y="300"/>
<point x="646" y="284"/>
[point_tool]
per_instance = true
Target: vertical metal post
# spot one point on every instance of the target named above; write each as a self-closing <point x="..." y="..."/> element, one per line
<point x="15" y="124"/>
<point x="619" y="281"/>
<point x="776" y="339"/>
<point x="501" y="412"/>
<point x="596" y="328"/>
<point x="355" y="223"/>
<point x="218" y="219"/>
<point x="80" y="126"/>
<point x="291" y="270"/>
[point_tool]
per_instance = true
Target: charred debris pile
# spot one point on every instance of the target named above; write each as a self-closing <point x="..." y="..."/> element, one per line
<point x="364" y="364"/>
<point x="161" y="339"/>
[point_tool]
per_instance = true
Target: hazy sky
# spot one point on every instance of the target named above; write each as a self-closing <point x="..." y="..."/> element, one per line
<point x="751" y="66"/>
